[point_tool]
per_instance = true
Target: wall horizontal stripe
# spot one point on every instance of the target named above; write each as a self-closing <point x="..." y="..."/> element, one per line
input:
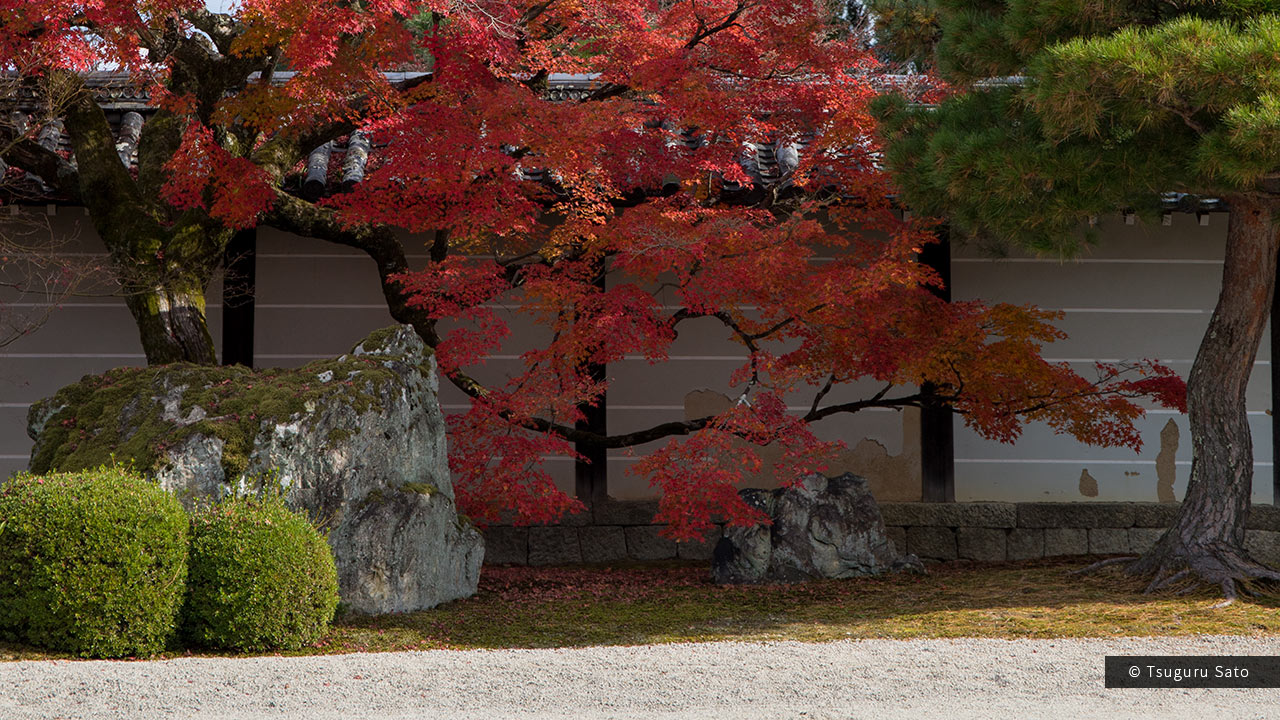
<point x="1079" y="461"/>
<point x="1136" y="311"/>
<point x="108" y="305"/>
<point x="1092" y="261"/>
<point x="114" y="356"/>
<point x="320" y="306"/>
<point x="1165" y="361"/>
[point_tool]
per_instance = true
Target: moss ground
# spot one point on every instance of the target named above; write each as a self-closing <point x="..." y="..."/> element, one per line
<point x="569" y="607"/>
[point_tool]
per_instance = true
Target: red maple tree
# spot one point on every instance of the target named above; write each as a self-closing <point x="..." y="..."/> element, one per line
<point x="616" y="168"/>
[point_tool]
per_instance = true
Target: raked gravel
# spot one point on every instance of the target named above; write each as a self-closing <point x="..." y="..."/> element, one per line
<point x="878" y="679"/>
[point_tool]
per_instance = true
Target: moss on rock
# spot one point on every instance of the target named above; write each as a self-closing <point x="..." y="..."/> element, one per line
<point x="136" y="414"/>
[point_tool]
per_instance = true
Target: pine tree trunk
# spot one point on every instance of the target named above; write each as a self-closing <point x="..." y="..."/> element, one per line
<point x="1206" y="540"/>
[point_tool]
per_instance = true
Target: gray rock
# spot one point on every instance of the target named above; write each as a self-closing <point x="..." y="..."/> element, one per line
<point x="357" y="443"/>
<point x="742" y="555"/>
<point x="821" y="528"/>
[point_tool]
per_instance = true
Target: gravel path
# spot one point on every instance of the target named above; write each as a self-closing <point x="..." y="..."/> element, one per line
<point x="857" y="679"/>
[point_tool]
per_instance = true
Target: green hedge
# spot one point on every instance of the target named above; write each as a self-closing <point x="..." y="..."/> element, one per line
<point x="91" y="563"/>
<point x="262" y="578"/>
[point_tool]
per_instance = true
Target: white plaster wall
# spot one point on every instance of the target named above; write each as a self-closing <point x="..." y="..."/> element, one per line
<point x="1143" y="291"/>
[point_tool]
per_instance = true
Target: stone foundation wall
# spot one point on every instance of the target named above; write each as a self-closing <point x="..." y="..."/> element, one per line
<point x="611" y="532"/>
<point x="995" y="532"/>
<point x="987" y="532"/>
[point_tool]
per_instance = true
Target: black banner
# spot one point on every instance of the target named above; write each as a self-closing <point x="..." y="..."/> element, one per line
<point x="1193" y="671"/>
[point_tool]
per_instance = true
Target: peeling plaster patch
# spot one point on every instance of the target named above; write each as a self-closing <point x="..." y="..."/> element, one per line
<point x="701" y="403"/>
<point x="892" y="478"/>
<point x="1166" y="469"/>
<point x="1088" y="485"/>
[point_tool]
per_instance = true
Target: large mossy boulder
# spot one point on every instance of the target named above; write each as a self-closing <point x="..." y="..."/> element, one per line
<point x="357" y="443"/>
<point x="820" y="528"/>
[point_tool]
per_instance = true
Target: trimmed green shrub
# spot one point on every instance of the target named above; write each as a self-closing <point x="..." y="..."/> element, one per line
<point x="91" y="563"/>
<point x="262" y="578"/>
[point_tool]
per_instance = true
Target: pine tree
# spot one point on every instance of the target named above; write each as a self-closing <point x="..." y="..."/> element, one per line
<point x="1072" y="109"/>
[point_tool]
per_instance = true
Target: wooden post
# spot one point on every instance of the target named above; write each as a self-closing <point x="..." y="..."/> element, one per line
<point x="1275" y="396"/>
<point x="937" y="433"/>
<point x="238" y="288"/>
<point x="591" y="473"/>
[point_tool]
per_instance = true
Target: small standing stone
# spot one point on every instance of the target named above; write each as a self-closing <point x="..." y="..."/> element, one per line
<point x="821" y="528"/>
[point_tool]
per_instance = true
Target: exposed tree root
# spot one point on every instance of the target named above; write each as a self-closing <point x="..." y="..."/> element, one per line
<point x="1158" y="585"/>
<point x="1101" y="564"/>
<point x="1171" y="563"/>
<point x="1228" y="593"/>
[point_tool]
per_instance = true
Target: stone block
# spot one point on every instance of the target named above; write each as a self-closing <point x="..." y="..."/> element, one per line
<point x="1075" y="515"/>
<point x="1263" y="517"/>
<point x="1142" y="538"/>
<point x="898" y="535"/>
<point x="981" y="543"/>
<point x="700" y="550"/>
<point x="952" y="515"/>
<point x="603" y="544"/>
<point x="1066" y="541"/>
<point x="506" y="545"/>
<point x="1264" y="546"/>
<point x="625" y="512"/>
<point x="554" y="545"/>
<point x="1025" y="544"/>
<point x="1154" y="515"/>
<point x="644" y="543"/>
<point x="933" y="543"/>
<point x="1108" y="541"/>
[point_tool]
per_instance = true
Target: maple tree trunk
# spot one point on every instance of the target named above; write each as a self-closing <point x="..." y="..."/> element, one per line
<point x="172" y="325"/>
<point x="163" y="276"/>
<point x="1206" y="540"/>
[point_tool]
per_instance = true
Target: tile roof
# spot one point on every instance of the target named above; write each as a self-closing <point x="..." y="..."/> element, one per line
<point x="769" y="164"/>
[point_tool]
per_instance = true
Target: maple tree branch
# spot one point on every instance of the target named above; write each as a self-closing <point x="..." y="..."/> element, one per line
<point x="221" y="28"/>
<point x="705" y="32"/>
<point x="817" y="399"/>
<point x="878" y="401"/>
<point x="534" y="12"/>
<point x="379" y="242"/>
<point x="108" y="188"/>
